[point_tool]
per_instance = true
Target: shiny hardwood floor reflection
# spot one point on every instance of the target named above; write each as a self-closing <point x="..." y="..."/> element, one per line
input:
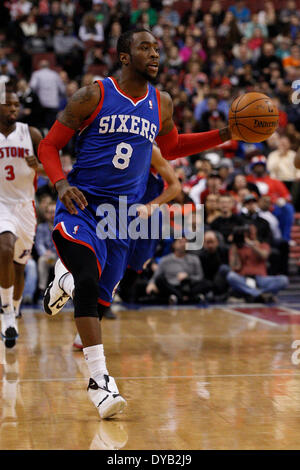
<point x="193" y="379"/>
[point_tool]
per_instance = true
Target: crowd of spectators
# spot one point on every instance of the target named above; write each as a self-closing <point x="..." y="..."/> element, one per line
<point x="210" y="53"/>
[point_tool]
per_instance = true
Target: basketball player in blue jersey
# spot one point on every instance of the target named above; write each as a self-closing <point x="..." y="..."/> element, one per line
<point x="116" y="124"/>
<point x="62" y="288"/>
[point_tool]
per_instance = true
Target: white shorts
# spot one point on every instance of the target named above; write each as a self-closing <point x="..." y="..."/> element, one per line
<point x="19" y="219"/>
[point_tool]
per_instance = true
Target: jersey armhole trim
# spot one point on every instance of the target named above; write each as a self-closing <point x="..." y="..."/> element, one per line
<point x="89" y="121"/>
<point x="159" y="110"/>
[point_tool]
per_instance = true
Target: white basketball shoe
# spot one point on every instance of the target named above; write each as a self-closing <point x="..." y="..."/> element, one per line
<point x="55" y="298"/>
<point x="106" y="397"/>
<point x="9" y="329"/>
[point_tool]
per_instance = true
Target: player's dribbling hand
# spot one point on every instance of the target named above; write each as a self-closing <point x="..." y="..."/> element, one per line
<point x="234" y="135"/>
<point x="32" y="161"/>
<point x="67" y="194"/>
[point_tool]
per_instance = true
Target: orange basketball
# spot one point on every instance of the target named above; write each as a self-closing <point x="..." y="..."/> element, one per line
<point x="253" y="117"/>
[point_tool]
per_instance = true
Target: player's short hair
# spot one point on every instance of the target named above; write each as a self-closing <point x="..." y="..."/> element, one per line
<point x="10" y="87"/>
<point x="125" y="40"/>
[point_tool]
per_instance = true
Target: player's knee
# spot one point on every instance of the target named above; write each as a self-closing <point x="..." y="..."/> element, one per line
<point x="86" y="295"/>
<point x="6" y="252"/>
<point x="86" y="285"/>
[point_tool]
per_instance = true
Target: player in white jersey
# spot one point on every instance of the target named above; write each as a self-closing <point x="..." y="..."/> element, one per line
<point x="18" y="173"/>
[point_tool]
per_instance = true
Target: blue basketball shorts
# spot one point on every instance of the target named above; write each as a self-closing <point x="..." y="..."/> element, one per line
<point x="111" y="254"/>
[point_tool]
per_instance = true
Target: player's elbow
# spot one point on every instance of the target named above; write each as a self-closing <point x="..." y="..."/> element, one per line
<point x="167" y="154"/>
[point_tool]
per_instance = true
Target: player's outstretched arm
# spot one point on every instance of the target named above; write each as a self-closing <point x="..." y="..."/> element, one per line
<point x="174" y="145"/>
<point x="79" y="108"/>
<point x="168" y="174"/>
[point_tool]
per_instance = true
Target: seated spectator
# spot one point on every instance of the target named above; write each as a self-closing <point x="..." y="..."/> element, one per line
<point x="5" y="75"/>
<point x="217" y="12"/>
<point x="179" y="277"/>
<point x="255" y="42"/>
<point x="250" y="215"/>
<point x="45" y="248"/>
<point x="43" y="202"/>
<point x="247" y="274"/>
<point x="242" y="56"/>
<point x="240" y="11"/>
<point x="294" y="59"/>
<point x="212" y="257"/>
<point x="264" y="211"/>
<point x="211" y="208"/>
<point x="193" y="77"/>
<point x="227" y="220"/>
<point x="279" y="259"/>
<point x="97" y="61"/>
<point x="229" y="31"/>
<point x="213" y="186"/>
<point x="144" y="7"/>
<point x="254" y="24"/>
<point x="268" y="17"/>
<point x="91" y="30"/>
<point x="225" y="169"/>
<point x="205" y="109"/>
<point x="195" y="10"/>
<point x="267" y="58"/>
<point x="191" y="48"/>
<point x="29" y="26"/>
<point x="240" y="182"/>
<point x="278" y="193"/>
<point x="280" y="162"/>
<point x="169" y="14"/>
<point x="9" y="65"/>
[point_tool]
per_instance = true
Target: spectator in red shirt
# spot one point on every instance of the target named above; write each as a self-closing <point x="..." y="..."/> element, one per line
<point x="278" y="192"/>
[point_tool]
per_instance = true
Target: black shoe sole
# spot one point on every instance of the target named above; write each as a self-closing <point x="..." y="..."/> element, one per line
<point x="10" y="337"/>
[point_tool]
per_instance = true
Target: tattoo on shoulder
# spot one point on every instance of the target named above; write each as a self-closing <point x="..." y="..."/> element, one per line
<point x="83" y="95"/>
<point x="81" y="105"/>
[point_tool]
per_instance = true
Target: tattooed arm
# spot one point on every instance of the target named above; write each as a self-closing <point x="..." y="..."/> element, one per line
<point x="79" y="108"/>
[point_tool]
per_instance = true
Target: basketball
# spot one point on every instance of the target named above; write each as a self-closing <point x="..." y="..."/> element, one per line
<point x="253" y="117"/>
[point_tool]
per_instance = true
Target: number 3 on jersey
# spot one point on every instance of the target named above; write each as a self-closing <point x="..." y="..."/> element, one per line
<point x="122" y="157"/>
<point x="10" y="172"/>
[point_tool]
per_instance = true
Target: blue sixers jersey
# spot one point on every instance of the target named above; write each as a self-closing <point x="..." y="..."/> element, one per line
<point x="114" y="146"/>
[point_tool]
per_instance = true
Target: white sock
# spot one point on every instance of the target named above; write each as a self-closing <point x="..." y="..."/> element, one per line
<point x="17" y="304"/>
<point x="7" y="299"/>
<point x="95" y="359"/>
<point x="67" y="284"/>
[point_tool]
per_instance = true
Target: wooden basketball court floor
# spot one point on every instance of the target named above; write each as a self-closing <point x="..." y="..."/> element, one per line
<point x="210" y="378"/>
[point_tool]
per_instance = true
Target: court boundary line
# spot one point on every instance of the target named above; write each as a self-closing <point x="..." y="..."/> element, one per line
<point x="245" y="315"/>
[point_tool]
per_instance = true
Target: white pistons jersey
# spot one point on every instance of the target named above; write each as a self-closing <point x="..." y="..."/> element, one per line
<point x="17" y="179"/>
